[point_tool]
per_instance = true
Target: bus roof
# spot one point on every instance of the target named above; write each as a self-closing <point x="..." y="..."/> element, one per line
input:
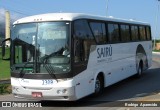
<point x="71" y="17"/>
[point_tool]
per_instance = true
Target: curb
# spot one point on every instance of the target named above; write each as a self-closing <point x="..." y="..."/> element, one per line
<point x="156" y="59"/>
<point x="157" y="53"/>
<point x="5" y="81"/>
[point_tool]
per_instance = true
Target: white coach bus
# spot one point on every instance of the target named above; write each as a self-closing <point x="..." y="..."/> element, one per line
<point x="67" y="56"/>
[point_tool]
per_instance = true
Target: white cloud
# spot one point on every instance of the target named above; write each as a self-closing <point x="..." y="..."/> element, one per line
<point x="2" y="15"/>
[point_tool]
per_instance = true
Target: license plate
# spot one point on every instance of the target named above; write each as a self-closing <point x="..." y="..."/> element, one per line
<point x="36" y="94"/>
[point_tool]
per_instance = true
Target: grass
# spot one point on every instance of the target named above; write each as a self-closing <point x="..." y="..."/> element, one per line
<point x="156" y="50"/>
<point x="4" y="66"/>
<point x="5" y="89"/>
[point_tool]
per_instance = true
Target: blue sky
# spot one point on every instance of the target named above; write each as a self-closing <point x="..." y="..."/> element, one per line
<point x="141" y="10"/>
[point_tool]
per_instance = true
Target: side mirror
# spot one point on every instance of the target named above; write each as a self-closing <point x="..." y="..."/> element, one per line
<point x="6" y="49"/>
<point x="3" y="50"/>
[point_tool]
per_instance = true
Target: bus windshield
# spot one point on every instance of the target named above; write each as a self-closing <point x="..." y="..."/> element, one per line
<point x="41" y="48"/>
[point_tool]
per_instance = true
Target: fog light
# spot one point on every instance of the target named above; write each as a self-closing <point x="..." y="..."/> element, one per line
<point x="64" y="91"/>
<point x="59" y="91"/>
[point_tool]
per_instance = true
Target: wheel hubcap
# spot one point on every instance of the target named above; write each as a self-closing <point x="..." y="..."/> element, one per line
<point x="97" y="86"/>
<point x="140" y="71"/>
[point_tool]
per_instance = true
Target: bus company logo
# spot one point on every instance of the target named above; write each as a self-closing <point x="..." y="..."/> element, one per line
<point x="104" y="53"/>
<point x="6" y="104"/>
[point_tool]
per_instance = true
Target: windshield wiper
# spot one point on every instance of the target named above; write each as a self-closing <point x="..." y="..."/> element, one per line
<point x="50" y="70"/>
<point x="48" y="67"/>
<point x="59" y="52"/>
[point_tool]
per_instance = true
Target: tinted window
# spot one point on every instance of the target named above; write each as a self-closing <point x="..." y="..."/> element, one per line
<point x="83" y="40"/>
<point x="113" y="33"/>
<point x="125" y="35"/>
<point x="142" y="33"/>
<point x="134" y="33"/>
<point x="99" y="32"/>
<point x="148" y="33"/>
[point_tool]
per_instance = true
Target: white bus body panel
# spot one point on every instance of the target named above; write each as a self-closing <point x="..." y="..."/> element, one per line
<point x="23" y="88"/>
<point x="119" y="66"/>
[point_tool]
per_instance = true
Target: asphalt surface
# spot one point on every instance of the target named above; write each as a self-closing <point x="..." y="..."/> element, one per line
<point x="156" y="56"/>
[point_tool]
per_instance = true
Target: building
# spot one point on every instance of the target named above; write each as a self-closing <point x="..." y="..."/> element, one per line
<point x="157" y="46"/>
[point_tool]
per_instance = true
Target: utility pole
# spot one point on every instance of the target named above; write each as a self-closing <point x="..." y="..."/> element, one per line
<point x="156" y="24"/>
<point x="7" y="26"/>
<point x="107" y="7"/>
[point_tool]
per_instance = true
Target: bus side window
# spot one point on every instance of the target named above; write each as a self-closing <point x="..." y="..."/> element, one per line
<point x="142" y="33"/>
<point x="148" y="33"/>
<point x="99" y="32"/>
<point x="113" y="33"/>
<point x="134" y="33"/>
<point x="125" y="34"/>
<point x="83" y="39"/>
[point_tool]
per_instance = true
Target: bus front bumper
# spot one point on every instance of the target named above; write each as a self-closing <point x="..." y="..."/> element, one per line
<point x="67" y="93"/>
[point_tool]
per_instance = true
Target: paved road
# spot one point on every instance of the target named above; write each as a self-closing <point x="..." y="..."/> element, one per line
<point x="131" y="89"/>
<point x="156" y="56"/>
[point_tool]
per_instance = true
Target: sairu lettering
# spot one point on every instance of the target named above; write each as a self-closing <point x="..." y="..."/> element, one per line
<point x="104" y="52"/>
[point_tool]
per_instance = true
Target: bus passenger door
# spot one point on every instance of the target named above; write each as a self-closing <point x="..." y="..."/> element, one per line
<point x="84" y="83"/>
<point x="83" y="77"/>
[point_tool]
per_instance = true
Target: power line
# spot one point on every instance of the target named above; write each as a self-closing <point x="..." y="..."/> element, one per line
<point x="15" y="11"/>
<point x="23" y="5"/>
<point x="9" y="7"/>
<point x="18" y="12"/>
<point x="19" y="5"/>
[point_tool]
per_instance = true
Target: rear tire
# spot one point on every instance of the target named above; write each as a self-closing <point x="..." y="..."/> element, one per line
<point x="98" y="86"/>
<point x="140" y="70"/>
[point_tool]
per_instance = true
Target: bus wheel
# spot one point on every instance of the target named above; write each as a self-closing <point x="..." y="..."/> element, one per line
<point x="98" y="85"/>
<point x="140" y="70"/>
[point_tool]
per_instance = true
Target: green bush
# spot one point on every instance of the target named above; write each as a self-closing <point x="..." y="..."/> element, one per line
<point x="156" y="41"/>
<point x="5" y="89"/>
<point x="156" y="50"/>
<point x="4" y="67"/>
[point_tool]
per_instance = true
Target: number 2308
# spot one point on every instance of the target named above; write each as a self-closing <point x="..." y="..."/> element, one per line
<point x="47" y="82"/>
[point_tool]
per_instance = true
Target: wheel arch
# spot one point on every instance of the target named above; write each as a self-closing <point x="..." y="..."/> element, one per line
<point x="141" y="57"/>
<point x="101" y="74"/>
